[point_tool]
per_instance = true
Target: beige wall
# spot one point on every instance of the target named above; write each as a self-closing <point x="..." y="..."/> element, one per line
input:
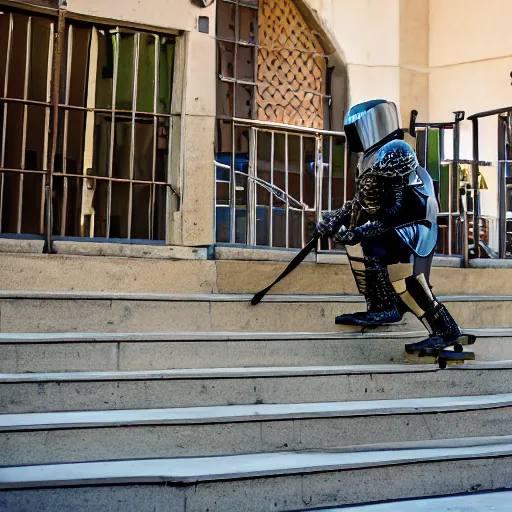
<point x="384" y="44"/>
<point x="470" y="64"/>
<point x="173" y="14"/>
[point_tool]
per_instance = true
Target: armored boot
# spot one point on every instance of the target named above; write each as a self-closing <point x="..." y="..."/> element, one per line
<point x="381" y="300"/>
<point x="444" y="331"/>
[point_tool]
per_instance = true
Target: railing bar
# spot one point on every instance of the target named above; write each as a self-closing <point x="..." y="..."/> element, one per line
<point x="89" y="177"/>
<point x="26" y="101"/>
<point x="24" y="129"/>
<point x="136" y="51"/>
<point x="232" y="195"/>
<point x="112" y="132"/>
<point x="301" y="191"/>
<point x="271" y="201"/>
<point x="66" y="129"/>
<point x="155" y="138"/>
<point x="168" y="184"/>
<point x="4" y="123"/>
<point x="285" y="127"/>
<point x="286" y="188"/>
<point x="46" y="125"/>
<point x="345" y="172"/>
<point x="329" y="200"/>
<point x="254" y="191"/>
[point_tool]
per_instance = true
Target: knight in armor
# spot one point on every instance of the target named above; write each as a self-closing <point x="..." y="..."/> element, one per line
<point x="390" y="228"/>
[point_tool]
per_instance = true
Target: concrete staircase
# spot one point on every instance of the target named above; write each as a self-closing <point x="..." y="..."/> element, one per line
<point x="124" y="400"/>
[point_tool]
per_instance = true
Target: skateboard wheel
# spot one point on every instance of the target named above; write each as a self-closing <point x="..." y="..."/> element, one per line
<point x="442" y="364"/>
<point x="458" y="348"/>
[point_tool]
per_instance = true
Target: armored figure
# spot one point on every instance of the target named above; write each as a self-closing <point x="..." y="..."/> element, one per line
<point x="390" y="228"/>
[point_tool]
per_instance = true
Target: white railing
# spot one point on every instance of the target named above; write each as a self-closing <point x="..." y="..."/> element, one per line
<point x="271" y="194"/>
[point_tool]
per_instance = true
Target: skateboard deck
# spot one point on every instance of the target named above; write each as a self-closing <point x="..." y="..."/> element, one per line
<point x="445" y="357"/>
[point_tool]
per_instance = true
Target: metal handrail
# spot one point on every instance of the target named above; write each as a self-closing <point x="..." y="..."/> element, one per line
<point x="286" y="127"/>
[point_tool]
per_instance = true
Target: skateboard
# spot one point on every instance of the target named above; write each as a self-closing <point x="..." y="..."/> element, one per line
<point x="445" y="357"/>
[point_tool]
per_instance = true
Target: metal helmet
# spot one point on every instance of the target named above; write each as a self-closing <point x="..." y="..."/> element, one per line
<point x="369" y="123"/>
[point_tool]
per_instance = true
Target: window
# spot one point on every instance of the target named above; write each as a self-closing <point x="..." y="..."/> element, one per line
<point x="112" y="156"/>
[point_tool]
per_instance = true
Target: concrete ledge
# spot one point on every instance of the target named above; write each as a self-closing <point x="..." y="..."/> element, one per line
<point x="116" y="337"/>
<point x="447" y="261"/>
<point x="224" y="297"/>
<point x="337" y="258"/>
<point x="123" y="390"/>
<point x="332" y="258"/>
<point x="17" y="246"/>
<point x="106" y="337"/>
<point x="495" y="501"/>
<point x="232" y="467"/>
<point x="250" y="254"/>
<point x="165" y="252"/>
<point x="491" y="263"/>
<point x="246" y="373"/>
<point x="248" y="413"/>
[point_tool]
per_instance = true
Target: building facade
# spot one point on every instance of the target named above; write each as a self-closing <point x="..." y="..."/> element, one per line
<point x="189" y="124"/>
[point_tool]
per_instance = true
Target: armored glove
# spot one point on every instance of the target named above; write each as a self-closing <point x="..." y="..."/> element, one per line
<point x="347" y="236"/>
<point x="332" y="221"/>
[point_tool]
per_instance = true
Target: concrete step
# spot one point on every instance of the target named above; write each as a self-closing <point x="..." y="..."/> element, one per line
<point x="41" y="353"/>
<point x="282" y="481"/>
<point x="488" y="501"/>
<point x="129" y="312"/>
<point x="43" y="438"/>
<point x="87" y="273"/>
<point x="83" y="391"/>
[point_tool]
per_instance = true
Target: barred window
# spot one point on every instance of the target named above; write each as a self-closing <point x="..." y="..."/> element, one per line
<point x="112" y="157"/>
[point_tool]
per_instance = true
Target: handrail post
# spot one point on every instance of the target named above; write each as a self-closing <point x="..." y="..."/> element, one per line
<point x="58" y="46"/>
<point x="476" y="191"/>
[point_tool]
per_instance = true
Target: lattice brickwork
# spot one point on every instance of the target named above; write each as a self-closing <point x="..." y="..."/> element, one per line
<point x="291" y="72"/>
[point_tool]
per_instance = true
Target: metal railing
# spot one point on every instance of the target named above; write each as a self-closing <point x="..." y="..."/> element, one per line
<point x="452" y="218"/>
<point x="272" y="195"/>
<point x="503" y="218"/>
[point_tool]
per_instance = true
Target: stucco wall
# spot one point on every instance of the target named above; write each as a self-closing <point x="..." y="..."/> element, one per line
<point x="384" y="44"/>
<point x="470" y="64"/>
<point x="175" y="14"/>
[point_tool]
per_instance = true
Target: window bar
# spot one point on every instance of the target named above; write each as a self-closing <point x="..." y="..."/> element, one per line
<point x="25" y="115"/>
<point x="155" y="138"/>
<point x="233" y="153"/>
<point x="132" y="141"/>
<point x="301" y="185"/>
<point x="112" y="130"/>
<point x="4" y="127"/>
<point x="329" y="199"/>
<point x="168" y="179"/>
<point x="286" y="188"/>
<point x="69" y="63"/>
<point x="271" y="200"/>
<point x="252" y="188"/>
<point x="47" y="124"/>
